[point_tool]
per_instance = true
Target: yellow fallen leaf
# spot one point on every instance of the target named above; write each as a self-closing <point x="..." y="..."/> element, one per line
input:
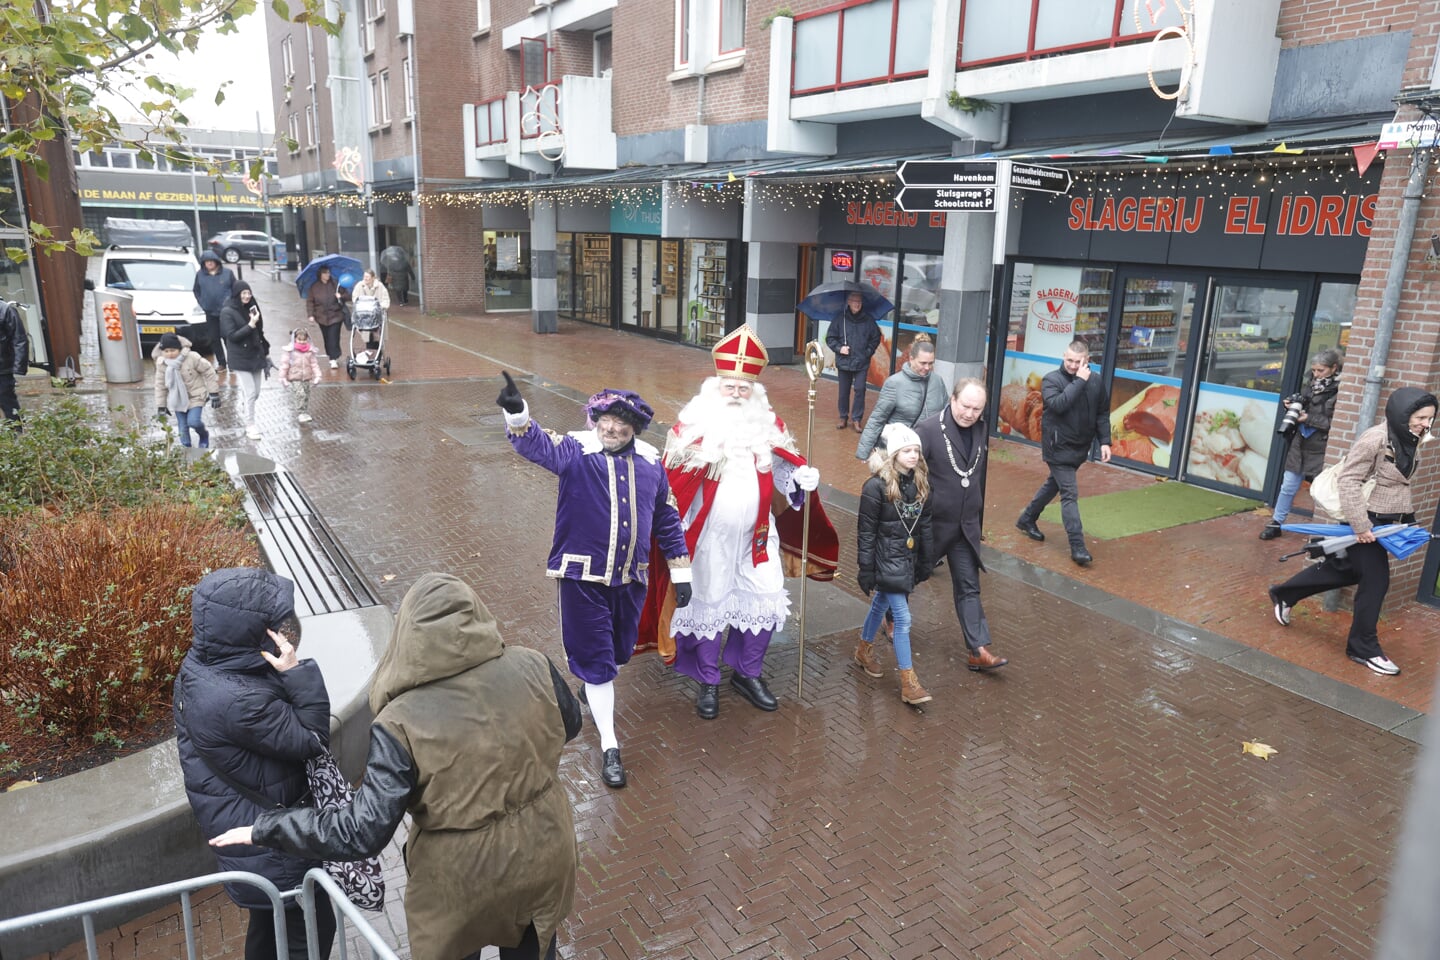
<point x="21" y="784"/>
<point x="388" y="577"/>
<point x="1257" y="749"/>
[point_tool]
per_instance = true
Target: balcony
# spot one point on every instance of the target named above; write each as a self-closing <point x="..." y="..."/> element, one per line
<point x="836" y="57"/>
<point x="564" y="121"/>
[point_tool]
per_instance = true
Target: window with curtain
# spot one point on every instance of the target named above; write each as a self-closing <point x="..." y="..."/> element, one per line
<point x="732" y="25"/>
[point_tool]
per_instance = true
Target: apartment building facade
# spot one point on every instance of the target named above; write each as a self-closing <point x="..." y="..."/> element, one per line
<point x="677" y="167"/>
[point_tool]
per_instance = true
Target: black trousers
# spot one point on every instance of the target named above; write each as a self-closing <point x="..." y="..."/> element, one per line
<point x="1365" y="564"/>
<point x="852" y="382"/>
<point x="331" y="335"/>
<point x="217" y="342"/>
<point x="527" y="949"/>
<point x="1062" y="481"/>
<point x="260" y="936"/>
<point x="965" y="584"/>
<point x="9" y="401"/>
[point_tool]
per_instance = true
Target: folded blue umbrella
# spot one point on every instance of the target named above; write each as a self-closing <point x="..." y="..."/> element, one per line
<point x="1401" y="539"/>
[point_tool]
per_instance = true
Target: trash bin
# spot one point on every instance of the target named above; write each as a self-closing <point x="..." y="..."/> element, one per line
<point x="119" y="337"/>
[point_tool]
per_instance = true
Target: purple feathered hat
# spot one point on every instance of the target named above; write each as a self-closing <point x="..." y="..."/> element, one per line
<point x="625" y="404"/>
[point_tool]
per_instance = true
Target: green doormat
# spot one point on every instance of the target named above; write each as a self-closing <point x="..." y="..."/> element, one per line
<point x="1111" y="516"/>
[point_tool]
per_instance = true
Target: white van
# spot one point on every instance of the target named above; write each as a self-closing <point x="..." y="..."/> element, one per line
<point x="154" y="261"/>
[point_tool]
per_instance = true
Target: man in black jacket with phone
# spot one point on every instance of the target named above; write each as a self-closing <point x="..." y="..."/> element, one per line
<point x="1076" y="414"/>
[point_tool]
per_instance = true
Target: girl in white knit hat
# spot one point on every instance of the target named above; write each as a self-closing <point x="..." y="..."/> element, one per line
<point x="894" y="541"/>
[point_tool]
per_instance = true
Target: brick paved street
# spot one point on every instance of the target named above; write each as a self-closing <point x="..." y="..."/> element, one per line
<point x="1090" y="800"/>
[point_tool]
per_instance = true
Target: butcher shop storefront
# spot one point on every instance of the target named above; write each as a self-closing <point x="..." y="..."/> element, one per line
<point x="1202" y="293"/>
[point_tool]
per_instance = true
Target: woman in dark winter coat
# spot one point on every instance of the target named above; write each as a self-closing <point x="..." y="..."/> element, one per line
<point x="467" y="739"/>
<point x="247" y="350"/>
<point x="248" y="714"/>
<point x="325" y="305"/>
<point x="1306" y="456"/>
<point x="854" y="337"/>
<point x="893" y="532"/>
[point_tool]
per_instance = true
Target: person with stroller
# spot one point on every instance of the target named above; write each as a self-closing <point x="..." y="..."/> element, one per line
<point x="325" y="305"/>
<point x="370" y="287"/>
<point x="895" y="550"/>
<point x="1308" y="436"/>
<point x="184" y="380"/>
<point x="1386" y="454"/>
<point x="299" y="370"/>
<point x="243" y="327"/>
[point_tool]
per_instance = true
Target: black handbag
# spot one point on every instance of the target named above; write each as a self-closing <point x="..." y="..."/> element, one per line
<point x="362" y="881"/>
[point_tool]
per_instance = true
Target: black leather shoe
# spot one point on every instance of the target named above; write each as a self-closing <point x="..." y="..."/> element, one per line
<point x="707" y="704"/>
<point x="1081" y="556"/>
<point x="754" y="690"/>
<point x="612" y="771"/>
<point x="1028" y="528"/>
<point x="1270" y="531"/>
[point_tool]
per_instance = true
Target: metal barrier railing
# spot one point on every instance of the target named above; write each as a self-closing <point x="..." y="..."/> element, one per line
<point x="344" y="910"/>
<point x="86" y="911"/>
<point x="306" y="895"/>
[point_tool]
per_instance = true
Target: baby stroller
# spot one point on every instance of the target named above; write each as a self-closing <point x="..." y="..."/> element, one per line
<point x="367" y="325"/>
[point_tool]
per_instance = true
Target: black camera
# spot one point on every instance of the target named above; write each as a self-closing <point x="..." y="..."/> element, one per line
<point x="1294" y="409"/>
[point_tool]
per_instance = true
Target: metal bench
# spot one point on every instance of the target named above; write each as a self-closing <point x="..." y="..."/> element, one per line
<point x="299" y="544"/>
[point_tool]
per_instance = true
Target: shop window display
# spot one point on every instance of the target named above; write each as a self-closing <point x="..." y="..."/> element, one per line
<point x="507" y="270"/>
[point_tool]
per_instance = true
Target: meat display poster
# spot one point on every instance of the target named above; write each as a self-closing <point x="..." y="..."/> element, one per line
<point x="1230" y="442"/>
<point x="1050" y="317"/>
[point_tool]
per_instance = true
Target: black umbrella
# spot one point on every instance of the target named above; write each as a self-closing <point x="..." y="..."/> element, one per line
<point x="827" y="301"/>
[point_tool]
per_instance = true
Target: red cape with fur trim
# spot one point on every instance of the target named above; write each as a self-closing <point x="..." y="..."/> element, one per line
<point x="686" y="485"/>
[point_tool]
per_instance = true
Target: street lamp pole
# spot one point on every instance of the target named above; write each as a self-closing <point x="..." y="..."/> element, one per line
<point x="367" y="163"/>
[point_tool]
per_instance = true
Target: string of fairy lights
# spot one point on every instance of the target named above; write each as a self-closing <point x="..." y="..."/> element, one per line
<point x="1280" y="170"/>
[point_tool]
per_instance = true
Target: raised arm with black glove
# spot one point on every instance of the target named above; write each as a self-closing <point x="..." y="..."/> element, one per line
<point x="517" y="415"/>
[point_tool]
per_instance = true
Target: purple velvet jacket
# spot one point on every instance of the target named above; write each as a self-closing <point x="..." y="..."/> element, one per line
<point x="607" y="506"/>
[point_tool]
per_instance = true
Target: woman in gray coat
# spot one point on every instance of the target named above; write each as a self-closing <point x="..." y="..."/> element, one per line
<point x="909" y="395"/>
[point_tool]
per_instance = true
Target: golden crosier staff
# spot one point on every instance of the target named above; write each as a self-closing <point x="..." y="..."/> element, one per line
<point x="814" y="363"/>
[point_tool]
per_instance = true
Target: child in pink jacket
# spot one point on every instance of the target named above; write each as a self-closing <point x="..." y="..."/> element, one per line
<point x="299" y="370"/>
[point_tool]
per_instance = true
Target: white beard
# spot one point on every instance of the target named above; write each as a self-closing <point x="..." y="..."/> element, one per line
<point x="715" y="430"/>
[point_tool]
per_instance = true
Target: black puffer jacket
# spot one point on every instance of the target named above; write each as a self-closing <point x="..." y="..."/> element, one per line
<point x="860" y="333"/>
<point x="245" y="346"/>
<point x="256" y="724"/>
<point x="1307" y="454"/>
<point x="1077" y="413"/>
<point x="887" y="563"/>
<point x="14" y="341"/>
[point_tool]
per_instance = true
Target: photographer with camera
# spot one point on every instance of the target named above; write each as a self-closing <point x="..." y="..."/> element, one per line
<point x="1306" y="429"/>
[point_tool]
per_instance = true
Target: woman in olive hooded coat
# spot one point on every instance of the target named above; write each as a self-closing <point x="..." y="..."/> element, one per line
<point x="467" y="739"/>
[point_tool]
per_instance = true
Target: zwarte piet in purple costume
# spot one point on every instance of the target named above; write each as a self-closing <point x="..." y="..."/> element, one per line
<point x="613" y="496"/>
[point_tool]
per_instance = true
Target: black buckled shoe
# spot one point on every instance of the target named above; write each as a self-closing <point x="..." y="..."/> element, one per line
<point x="1028" y="528"/>
<point x="754" y="690"/>
<point x="612" y="771"/>
<point x="1081" y="556"/>
<point x="707" y="703"/>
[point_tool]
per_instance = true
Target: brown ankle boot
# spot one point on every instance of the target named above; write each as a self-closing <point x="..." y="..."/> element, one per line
<point x="866" y="660"/>
<point x="910" y="689"/>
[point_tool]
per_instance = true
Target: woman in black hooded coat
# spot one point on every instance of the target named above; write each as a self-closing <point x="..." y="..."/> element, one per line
<point x="243" y="327"/>
<point x="1385" y="453"/>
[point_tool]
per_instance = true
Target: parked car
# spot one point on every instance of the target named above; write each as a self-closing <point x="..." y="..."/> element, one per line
<point x="232" y="246"/>
<point x="152" y="261"/>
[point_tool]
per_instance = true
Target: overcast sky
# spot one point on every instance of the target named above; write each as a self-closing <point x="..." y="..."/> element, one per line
<point x="239" y="57"/>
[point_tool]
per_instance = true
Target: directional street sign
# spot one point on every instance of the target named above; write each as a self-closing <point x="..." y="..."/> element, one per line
<point x="928" y="199"/>
<point x="947" y="173"/>
<point x="940" y="185"/>
<point x="1030" y="176"/>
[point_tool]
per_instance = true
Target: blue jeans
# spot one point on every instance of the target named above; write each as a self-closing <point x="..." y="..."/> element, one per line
<point x="1289" y="486"/>
<point x="899" y="605"/>
<point x="192" y="419"/>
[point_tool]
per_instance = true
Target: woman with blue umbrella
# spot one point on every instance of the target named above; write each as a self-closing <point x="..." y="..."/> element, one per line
<point x="325" y="305"/>
<point x="1386" y="454"/>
